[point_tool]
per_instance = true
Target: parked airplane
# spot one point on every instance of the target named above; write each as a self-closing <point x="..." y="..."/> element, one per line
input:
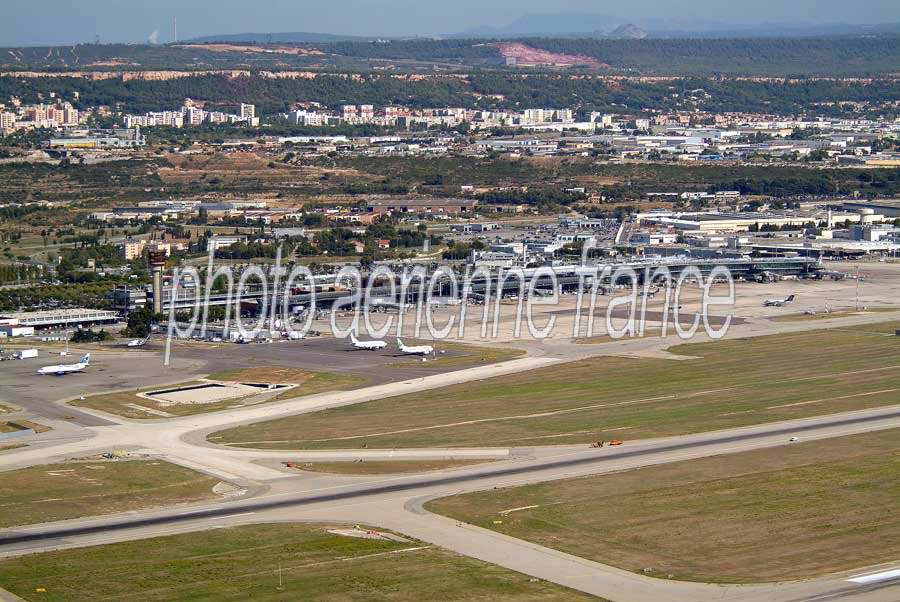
<point x="138" y="342"/>
<point x="367" y="345"/>
<point x="779" y="302"/>
<point x="415" y="350"/>
<point x="67" y="368"/>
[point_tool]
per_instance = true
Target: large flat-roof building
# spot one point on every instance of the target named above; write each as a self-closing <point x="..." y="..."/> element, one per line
<point x="103" y="139"/>
<point x="445" y="206"/>
<point x="885" y="207"/>
<point x="733" y="222"/>
<point x="76" y="316"/>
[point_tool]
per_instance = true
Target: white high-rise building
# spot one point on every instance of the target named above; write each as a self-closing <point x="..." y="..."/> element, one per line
<point x="7" y="120"/>
<point x="193" y="116"/>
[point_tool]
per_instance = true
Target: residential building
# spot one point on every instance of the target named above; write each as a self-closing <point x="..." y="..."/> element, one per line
<point x="133" y="249"/>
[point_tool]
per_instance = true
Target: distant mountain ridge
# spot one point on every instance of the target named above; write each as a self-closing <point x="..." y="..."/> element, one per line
<point x="576" y="25"/>
<point x="290" y="37"/>
<point x="629" y="31"/>
<point x="590" y="25"/>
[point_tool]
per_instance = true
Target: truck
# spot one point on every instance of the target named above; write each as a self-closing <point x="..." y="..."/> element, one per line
<point x="24" y="354"/>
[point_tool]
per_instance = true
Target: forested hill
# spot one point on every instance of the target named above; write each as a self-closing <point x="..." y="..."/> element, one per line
<point x="821" y="56"/>
<point x="827" y="56"/>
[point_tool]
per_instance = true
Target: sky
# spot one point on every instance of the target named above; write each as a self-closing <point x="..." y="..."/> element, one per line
<point x="57" y="22"/>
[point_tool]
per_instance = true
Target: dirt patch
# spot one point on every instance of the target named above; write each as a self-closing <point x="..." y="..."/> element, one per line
<point x="524" y="55"/>
<point x="293" y="50"/>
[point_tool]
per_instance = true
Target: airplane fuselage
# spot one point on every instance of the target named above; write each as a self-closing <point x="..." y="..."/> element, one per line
<point x="63" y="369"/>
<point x="367" y="345"/>
<point x="66" y="368"/>
<point x="416" y="350"/>
<point x="370" y="346"/>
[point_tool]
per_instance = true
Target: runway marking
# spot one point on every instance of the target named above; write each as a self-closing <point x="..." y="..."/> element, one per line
<point x="232" y="516"/>
<point x="527" y="480"/>
<point x="191" y="512"/>
<point x="854" y="395"/>
<point x="876" y="577"/>
<point x="511" y="510"/>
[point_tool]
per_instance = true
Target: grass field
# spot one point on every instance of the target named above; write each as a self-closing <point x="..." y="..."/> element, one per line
<point x="385" y="467"/>
<point x="21" y="425"/>
<point x="309" y="383"/>
<point x="784" y="513"/>
<point x="728" y="384"/>
<point x="63" y="491"/>
<point x="241" y="563"/>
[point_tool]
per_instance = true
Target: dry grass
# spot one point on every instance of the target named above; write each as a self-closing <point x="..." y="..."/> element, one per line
<point x="21" y="425"/>
<point x="732" y="383"/>
<point x="309" y="383"/>
<point x="117" y="403"/>
<point x="782" y="513"/>
<point x="62" y="491"/>
<point x="241" y="563"/>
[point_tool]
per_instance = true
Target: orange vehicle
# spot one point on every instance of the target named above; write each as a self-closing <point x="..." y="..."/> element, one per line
<point x="615" y="442"/>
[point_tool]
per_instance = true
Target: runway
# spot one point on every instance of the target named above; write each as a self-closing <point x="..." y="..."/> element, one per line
<point x="396" y="503"/>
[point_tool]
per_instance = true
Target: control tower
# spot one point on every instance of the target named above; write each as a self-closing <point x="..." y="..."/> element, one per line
<point x="157" y="261"/>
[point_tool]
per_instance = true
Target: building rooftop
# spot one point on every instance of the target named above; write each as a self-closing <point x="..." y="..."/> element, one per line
<point x="421" y="202"/>
<point x="58" y="316"/>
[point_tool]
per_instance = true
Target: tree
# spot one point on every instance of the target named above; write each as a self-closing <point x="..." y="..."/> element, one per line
<point x="89" y="336"/>
<point x="140" y="322"/>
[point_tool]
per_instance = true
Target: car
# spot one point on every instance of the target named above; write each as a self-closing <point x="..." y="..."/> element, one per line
<point x="615" y="442"/>
<point x="792" y="439"/>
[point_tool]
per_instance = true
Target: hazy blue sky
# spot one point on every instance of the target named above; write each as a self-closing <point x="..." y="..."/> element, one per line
<point x="69" y="21"/>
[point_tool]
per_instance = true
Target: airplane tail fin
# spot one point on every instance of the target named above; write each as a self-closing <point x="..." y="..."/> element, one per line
<point x="86" y="359"/>
<point x="399" y="342"/>
<point x="353" y="339"/>
<point x="790" y="298"/>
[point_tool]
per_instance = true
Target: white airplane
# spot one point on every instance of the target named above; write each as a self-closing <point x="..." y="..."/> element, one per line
<point x="138" y="342"/>
<point x="367" y="345"/>
<point x="779" y="302"/>
<point x="66" y="368"/>
<point x="415" y="350"/>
